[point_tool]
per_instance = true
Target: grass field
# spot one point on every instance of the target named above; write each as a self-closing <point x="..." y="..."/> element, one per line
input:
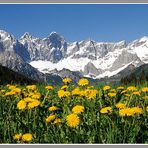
<point x="73" y="113"/>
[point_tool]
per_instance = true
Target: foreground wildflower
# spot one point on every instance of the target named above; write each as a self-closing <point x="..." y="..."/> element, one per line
<point x="132" y="88"/>
<point x="111" y="94"/>
<point x="21" y="105"/>
<point x="130" y="111"/>
<point x="49" y="87"/>
<point x="120" y="88"/>
<point x="106" y="110"/>
<point x="120" y="105"/>
<point x="67" y="80"/>
<point x="136" y="110"/>
<point x="27" y="137"/>
<point x="36" y="96"/>
<point x="76" y="91"/>
<point x="144" y="89"/>
<point x="17" y="136"/>
<point x="90" y="93"/>
<point x="11" y="86"/>
<point x="28" y="103"/>
<point x="64" y="87"/>
<point x="52" y="108"/>
<point x="27" y="99"/>
<point x="107" y="87"/>
<point x="83" y="82"/>
<point x="58" y="120"/>
<point x="50" y="118"/>
<point x="31" y="87"/>
<point x="72" y="120"/>
<point x="33" y="104"/>
<point x="62" y="93"/>
<point x="126" y="112"/>
<point x="78" y="109"/>
<point x="147" y="108"/>
<point x="13" y="90"/>
<point x="9" y="93"/>
<point x="136" y="93"/>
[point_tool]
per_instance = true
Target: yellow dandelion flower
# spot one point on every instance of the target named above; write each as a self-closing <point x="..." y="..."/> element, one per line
<point x="27" y="137"/>
<point x="64" y="87"/>
<point x="33" y="104"/>
<point x="111" y="94"/>
<point x="136" y="110"/>
<point x="52" y="108"/>
<point x="83" y="93"/>
<point x="106" y="110"/>
<point x="58" y="120"/>
<point x="132" y="88"/>
<point x="36" y="96"/>
<point x="72" y="120"/>
<point x="107" y="87"/>
<point x="127" y="95"/>
<point x="31" y="87"/>
<point x="147" y="108"/>
<point x="83" y="82"/>
<point x="16" y="90"/>
<point x="11" y="87"/>
<point x="78" y="109"/>
<point x="144" y="89"/>
<point x="67" y="80"/>
<point x="125" y="112"/>
<point x="120" y="105"/>
<point x="62" y="93"/>
<point x="10" y="93"/>
<point x="21" y="104"/>
<point x="76" y="91"/>
<point x="30" y="94"/>
<point x="49" y="87"/>
<point x="130" y="111"/>
<point x="136" y="93"/>
<point x="120" y="88"/>
<point x="27" y="99"/>
<point x="90" y="94"/>
<point x="17" y="136"/>
<point x="50" y="118"/>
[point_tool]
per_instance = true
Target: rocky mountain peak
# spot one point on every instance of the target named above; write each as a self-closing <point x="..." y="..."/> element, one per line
<point x="26" y="36"/>
<point x="56" y="40"/>
<point x="6" y="36"/>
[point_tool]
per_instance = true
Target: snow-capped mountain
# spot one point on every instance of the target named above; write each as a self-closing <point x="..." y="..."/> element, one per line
<point x="53" y="55"/>
<point x="94" y="59"/>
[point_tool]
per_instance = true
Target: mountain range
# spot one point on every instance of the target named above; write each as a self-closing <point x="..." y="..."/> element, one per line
<point x="52" y="58"/>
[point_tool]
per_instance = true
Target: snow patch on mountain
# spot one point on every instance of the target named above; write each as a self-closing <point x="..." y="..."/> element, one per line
<point x="109" y="73"/>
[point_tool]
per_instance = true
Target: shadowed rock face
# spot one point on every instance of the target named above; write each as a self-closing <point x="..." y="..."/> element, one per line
<point x="90" y="69"/>
<point x="13" y="61"/>
<point x="124" y="58"/>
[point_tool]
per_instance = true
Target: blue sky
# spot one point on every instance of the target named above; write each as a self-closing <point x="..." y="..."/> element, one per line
<point x="77" y="22"/>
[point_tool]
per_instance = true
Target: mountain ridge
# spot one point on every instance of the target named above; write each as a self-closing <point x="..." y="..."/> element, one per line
<point x="90" y="58"/>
